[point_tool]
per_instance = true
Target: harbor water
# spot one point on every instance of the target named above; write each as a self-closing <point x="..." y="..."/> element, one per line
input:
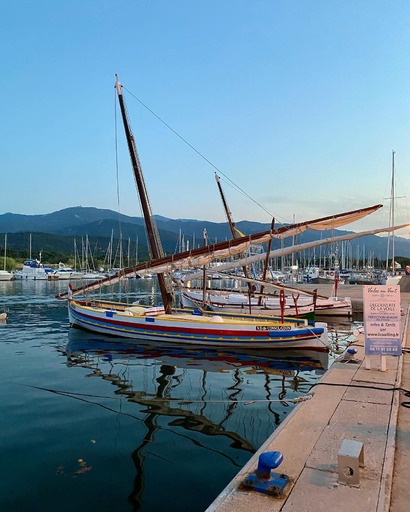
<point x="90" y="423"/>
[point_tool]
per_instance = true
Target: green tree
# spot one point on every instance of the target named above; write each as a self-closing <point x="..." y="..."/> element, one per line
<point x="11" y="264"/>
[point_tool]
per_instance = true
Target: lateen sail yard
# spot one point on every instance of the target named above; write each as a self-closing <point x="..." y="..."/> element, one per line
<point x="223" y="250"/>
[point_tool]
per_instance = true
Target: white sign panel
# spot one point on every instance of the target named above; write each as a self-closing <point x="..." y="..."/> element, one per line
<point x="381" y="314"/>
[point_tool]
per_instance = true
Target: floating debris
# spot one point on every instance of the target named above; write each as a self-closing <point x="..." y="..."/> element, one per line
<point x="83" y="468"/>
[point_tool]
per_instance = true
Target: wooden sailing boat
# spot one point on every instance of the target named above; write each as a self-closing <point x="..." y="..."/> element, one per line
<point x="252" y="300"/>
<point x="195" y="327"/>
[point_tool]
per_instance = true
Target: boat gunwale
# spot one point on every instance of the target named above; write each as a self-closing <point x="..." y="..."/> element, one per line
<point x="186" y="314"/>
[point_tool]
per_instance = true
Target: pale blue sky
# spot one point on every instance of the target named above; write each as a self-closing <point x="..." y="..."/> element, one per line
<point x="299" y="103"/>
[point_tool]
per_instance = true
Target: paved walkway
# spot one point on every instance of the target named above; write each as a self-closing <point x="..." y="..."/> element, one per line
<point x="351" y="402"/>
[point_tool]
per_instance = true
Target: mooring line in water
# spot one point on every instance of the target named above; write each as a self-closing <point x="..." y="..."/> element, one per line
<point x="119" y="413"/>
<point x="361" y="386"/>
<point x="78" y="396"/>
<point x="72" y="395"/>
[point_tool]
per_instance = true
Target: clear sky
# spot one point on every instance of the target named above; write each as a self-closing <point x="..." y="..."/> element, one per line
<point x="297" y="103"/>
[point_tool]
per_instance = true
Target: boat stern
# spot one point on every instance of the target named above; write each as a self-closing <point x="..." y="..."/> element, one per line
<point x="324" y="337"/>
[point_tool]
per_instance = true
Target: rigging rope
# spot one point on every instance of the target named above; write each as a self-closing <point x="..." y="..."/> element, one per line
<point x="82" y="396"/>
<point x="231" y="182"/>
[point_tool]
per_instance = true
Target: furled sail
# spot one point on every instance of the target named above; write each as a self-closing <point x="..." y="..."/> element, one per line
<point x="295" y="248"/>
<point x="223" y="250"/>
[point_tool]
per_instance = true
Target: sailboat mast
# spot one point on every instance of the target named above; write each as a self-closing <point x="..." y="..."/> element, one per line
<point x="393" y="264"/>
<point x="234" y="231"/>
<point x="227" y="211"/>
<point x="5" y="251"/>
<point x="139" y="179"/>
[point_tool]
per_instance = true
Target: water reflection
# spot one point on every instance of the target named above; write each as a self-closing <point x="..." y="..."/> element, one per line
<point x="217" y="402"/>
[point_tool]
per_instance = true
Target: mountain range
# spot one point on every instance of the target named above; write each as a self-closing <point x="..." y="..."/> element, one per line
<point x="57" y="231"/>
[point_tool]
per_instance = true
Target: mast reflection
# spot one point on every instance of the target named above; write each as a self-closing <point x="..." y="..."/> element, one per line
<point x="201" y="396"/>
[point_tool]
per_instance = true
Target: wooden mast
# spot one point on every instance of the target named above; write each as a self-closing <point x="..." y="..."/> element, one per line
<point x="235" y="234"/>
<point x="146" y="210"/>
<point x="231" y="223"/>
<point x="234" y="231"/>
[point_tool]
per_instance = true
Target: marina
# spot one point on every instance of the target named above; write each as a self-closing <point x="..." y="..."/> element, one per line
<point x="205" y="259"/>
<point x="81" y="413"/>
<point x="125" y="391"/>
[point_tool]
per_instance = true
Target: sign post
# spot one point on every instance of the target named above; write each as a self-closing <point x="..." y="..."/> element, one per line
<point x="381" y="315"/>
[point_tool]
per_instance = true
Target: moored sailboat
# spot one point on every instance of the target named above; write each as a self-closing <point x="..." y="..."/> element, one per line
<point x="394" y="278"/>
<point x="241" y="302"/>
<point x="197" y="327"/>
<point x="262" y="296"/>
<point x="168" y="324"/>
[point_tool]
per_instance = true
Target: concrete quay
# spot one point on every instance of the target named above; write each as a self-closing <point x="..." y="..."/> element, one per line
<point x="351" y="402"/>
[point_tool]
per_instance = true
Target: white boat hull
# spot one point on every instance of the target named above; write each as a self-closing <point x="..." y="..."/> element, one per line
<point x="6" y="276"/>
<point x="21" y="275"/>
<point x="333" y="306"/>
<point x="224" y="304"/>
<point x="239" y="303"/>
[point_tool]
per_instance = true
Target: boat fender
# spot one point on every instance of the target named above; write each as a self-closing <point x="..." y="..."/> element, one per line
<point x="217" y="319"/>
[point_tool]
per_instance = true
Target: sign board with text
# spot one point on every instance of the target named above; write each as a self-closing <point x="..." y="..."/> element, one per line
<point x="381" y="315"/>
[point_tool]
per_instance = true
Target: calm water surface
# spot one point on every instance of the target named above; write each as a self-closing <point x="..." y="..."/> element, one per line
<point x="88" y="424"/>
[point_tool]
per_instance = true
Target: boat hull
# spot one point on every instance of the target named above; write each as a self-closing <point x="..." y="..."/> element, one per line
<point x="196" y="328"/>
<point x="334" y="307"/>
<point x="35" y="276"/>
<point x="223" y="304"/>
<point x="237" y="303"/>
<point x="6" y="276"/>
<point x="33" y="269"/>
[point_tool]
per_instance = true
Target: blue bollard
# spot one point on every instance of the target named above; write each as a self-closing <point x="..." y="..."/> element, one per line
<point x="263" y="479"/>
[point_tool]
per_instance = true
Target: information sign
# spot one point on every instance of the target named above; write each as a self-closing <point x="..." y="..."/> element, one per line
<point x="381" y="314"/>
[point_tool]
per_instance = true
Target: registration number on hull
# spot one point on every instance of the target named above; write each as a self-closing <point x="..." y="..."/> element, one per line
<point x="274" y="328"/>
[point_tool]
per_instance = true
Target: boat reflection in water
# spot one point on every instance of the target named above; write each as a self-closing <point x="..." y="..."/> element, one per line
<point x="208" y="410"/>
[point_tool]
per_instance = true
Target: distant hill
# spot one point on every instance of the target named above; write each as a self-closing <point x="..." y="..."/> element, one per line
<point x="56" y="232"/>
